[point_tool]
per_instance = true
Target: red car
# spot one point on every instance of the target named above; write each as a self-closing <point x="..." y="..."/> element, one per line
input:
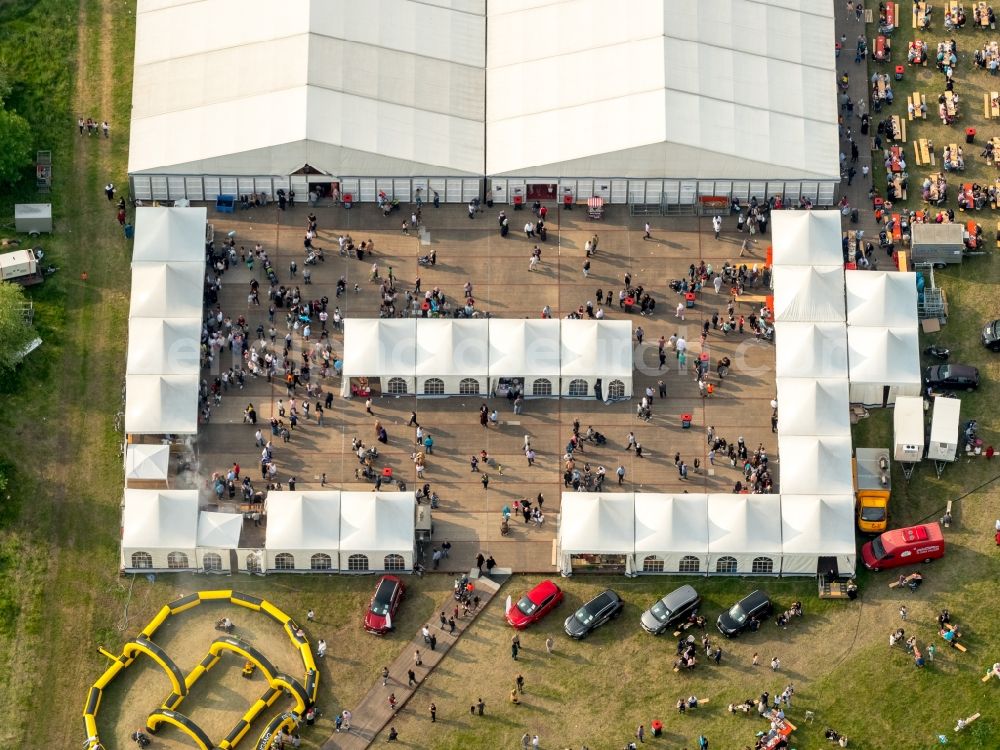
<point x="534" y="605"/>
<point x="382" y="608"/>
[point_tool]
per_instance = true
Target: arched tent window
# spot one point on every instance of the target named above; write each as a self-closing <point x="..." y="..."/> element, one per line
<point x="762" y="565"/>
<point x="468" y="387"/>
<point x="142" y="560"/>
<point x="725" y="565"/>
<point x="616" y="390"/>
<point x="541" y="387"/>
<point x="396" y="386"/>
<point x="434" y="387"/>
<point x="577" y="387"/>
<point x="211" y="561"/>
<point x="653" y="564"/>
<point x="177" y="560"/>
<point x="284" y="561"/>
<point x="394" y="562"/>
<point x="320" y="561"/>
<point x="357" y="562"/>
<point x="689" y="564"/>
<point x="253" y="562"/>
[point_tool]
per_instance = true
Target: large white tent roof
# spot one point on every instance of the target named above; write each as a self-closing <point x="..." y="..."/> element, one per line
<point x="160" y="519"/>
<point x="885" y="356"/>
<point x="303" y="520"/>
<point x="389" y="87"/>
<point x="881" y="298"/>
<point x="671" y="523"/>
<point x="596" y="522"/>
<point x="376" y="521"/>
<point x="807" y="294"/>
<point x="725" y="88"/>
<point x="219" y="530"/>
<point x="524" y="347"/>
<point x="806" y="238"/>
<point x="374" y="346"/>
<point x="161" y="404"/>
<point x="167" y="290"/>
<point x="810" y="349"/>
<point x="163" y="346"/>
<point x="169" y="234"/>
<point x="812" y="406"/>
<point x="744" y="525"/>
<point x="814" y="526"/>
<point x="147" y="461"/>
<point x="592" y="347"/>
<point x="450" y="347"/>
<point x="815" y="464"/>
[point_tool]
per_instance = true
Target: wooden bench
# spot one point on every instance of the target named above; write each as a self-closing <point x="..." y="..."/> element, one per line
<point x="965" y="722"/>
<point x="991" y="672"/>
<point x="897" y="583"/>
<point x="922" y="152"/>
<point x="955" y="642"/>
<point x="919" y="103"/>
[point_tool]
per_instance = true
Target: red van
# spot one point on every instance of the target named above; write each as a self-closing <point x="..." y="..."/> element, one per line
<point x="904" y="547"/>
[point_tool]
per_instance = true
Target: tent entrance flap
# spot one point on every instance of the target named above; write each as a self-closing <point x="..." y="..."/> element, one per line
<point x="827" y="566"/>
<point x="598" y="563"/>
<point x="543" y="191"/>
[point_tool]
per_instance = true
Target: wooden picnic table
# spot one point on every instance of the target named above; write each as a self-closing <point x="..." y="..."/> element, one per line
<point x="919" y="103"/>
<point x="891" y="14"/>
<point x="984" y="14"/>
<point x="949" y="104"/>
<point x="920" y="15"/>
<point x="898" y="128"/>
<point x="991" y="105"/>
<point x="922" y="151"/>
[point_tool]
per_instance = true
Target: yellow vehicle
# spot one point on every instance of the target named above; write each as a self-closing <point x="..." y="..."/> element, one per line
<point x="872" y="487"/>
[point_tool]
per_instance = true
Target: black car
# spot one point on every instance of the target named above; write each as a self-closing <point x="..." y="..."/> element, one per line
<point x="952" y="377"/>
<point x="991" y="336"/>
<point x="754" y="606"/>
<point x="678" y="605"/>
<point x="604" y="607"/>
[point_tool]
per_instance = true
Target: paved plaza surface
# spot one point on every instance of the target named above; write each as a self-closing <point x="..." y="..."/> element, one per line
<point x="472" y="250"/>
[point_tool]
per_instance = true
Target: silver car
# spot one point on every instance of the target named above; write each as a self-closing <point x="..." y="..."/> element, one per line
<point x="676" y="606"/>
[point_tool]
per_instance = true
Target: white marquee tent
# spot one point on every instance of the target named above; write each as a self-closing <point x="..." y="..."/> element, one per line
<point x="454" y="355"/>
<point x="303" y="530"/>
<point x="169" y="234"/>
<point x="807" y="294"/>
<point x="161" y="404"/>
<point x="815" y="464"/>
<point x="593" y="350"/>
<point x="813" y="406"/>
<point x="163" y="346"/>
<point x="167" y="290"/>
<point x="596" y="523"/>
<point x="159" y="529"/>
<point x="884" y="364"/>
<point x="679" y="110"/>
<point x="218" y="535"/>
<point x="383" y="349"/>
<point x="393" y="87"/>
<point x="147" y="462"/>
<point x="815" y="527"/>
<point x="744" y="531"/>
<point x="376" y="531"/>
<point x="526" y="349"/>
<point x="881" y="298"/>
<point x="806" y="238"/>
<point x="671" y="528"/>
<point x="816" y="350"/>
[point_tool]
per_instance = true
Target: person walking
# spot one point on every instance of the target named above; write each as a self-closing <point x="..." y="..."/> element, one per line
<point x="646" y="234"/>
<point x="775" y="664"/>
<point x="480" y="560"/>
<point x="486" y="481"/>
<point x="385" y="676"/>
<point x="413" y="420"/>
<point x="411" y="678"/>
<point x="434" y="713"/>
<point x="490" y="564"/>
<point x="550" y="645"/>
<point x="480" y="706"/>
<point x="640" y="733"/>
<point x="620" y="471"/>
<point x="902" y="613"/>
<point x="519" y="683"/>
<point x="716" y="225"/>
<point x="755" y="662"/>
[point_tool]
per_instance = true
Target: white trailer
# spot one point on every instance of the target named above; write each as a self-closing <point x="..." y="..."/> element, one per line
<point x="943" y="445"/>
<point x="908" y="432"/>
<point x="20" y="267"/>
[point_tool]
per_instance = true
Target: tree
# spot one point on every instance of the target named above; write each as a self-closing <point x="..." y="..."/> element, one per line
<point x="15" y="333"/>
<point x="15" y="146"/>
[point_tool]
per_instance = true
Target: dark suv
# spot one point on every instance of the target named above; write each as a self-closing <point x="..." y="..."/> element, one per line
<point x="755" y="606"/>
<point x="676" y="606"/>
<point x="991" y="336"/>
<point x="952" y="377"/>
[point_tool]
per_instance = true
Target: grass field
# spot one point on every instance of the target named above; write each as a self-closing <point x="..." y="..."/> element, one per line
<point x="60" y="594"/>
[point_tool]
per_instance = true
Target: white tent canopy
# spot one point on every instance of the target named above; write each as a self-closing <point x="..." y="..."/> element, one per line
<point x="145" y="461"/>
<point x="167" y="290"/>
<point x="303" y="530"/>
<point x="454" y="352"/>
<point x="169" y="234"/>
<point x="671" y="528"/>
<point x="881" y="298"/>
<point x="161" y="404"/>
<point x="807" y="294"/>
<point x="219" y="530"/>
<point x="679" y="111"/>
<point x="159" y="529"/>
<point x="813" y="406"/>
<point x="806" y="238"/>
<point x="745" y="531"/>
<point x="375" y="529"/>
<point x="526" y="349"/>
<point x="595" y="523"/>
<point x="393" y="87"/>
<point x="596" y="349"/>
<point x="815" y="526"/>
<point x="884" y="363"/>
<point x="811" y="464"/>
<point x="380" y="348"/>
<point x="163" y="346"/>
<point x="817" y="350"/>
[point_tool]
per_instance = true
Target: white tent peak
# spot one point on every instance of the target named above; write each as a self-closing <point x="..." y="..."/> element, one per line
<point x="806" y="238"/>
<point x="147" y="461"/>
<point x="165" y="234"/>
<point x="219" y="530"/>
<point x="881" y="298"/>
<point x="813" y="294"/>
